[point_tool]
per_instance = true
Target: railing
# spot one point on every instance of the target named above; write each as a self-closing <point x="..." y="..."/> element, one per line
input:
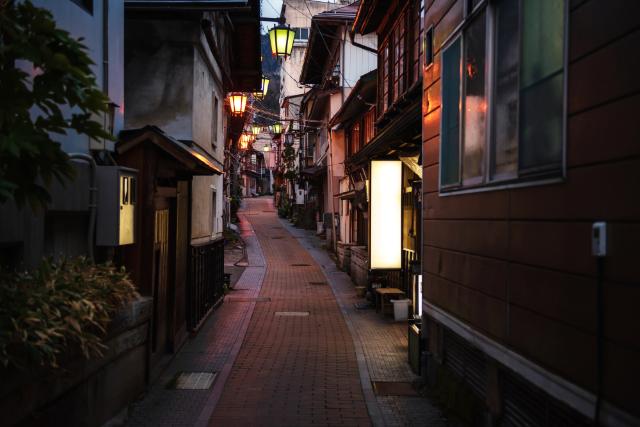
<point x="206" y="281"/>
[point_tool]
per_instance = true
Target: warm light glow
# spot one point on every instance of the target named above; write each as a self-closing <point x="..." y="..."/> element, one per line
<point x="256" y="129"/>
<point x="276" y="128"/>
<point x="265" y="86"/>
<point x="237" y="103"/>
<point x="281" y="39"/>
<point x="266" y="148"/>
<point x="386" y="214"/>
<point x="245" y="139"/>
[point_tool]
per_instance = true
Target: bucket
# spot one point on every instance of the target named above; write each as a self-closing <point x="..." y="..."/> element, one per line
<point x="400" y="309"/>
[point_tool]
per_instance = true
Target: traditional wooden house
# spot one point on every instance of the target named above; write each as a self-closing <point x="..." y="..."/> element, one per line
<point x="181" y="60"/>
<point x="390" y="162"/>
<point x="334" y="62"/>
<point x="531" y="218"/>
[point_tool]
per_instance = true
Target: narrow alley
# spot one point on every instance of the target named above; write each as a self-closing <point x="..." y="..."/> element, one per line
<point x="288" y="346"/>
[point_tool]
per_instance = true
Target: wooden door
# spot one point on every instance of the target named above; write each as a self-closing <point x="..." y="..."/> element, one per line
<point x="160" y="281"/>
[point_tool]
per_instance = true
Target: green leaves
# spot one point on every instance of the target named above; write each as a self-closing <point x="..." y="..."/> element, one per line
<point x="31" y="115"/>
<point x="58" y="308"/>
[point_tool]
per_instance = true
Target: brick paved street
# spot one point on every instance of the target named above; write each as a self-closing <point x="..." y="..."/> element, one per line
<point x="288" y="346"/>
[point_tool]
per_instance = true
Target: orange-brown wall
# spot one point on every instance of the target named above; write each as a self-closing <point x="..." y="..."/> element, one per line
<point x="516" y="264"/>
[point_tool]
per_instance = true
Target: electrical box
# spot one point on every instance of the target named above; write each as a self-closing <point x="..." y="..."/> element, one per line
<point x="117" y="188"/>
<point x="599" y="239"/>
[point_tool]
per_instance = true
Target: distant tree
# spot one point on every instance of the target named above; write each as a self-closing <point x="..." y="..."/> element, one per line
<point x="30" y="104"/>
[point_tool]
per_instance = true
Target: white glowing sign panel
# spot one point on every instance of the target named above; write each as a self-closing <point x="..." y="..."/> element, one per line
<point x="386" y="214"/>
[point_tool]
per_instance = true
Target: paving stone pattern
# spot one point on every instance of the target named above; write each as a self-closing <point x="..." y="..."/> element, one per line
<point x="292" y="370"/>
<point x="383" y="342"/>
<point x="209" y="351"/>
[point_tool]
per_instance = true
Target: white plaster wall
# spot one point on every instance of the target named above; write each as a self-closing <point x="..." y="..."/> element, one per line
<point x="81" y="23"/>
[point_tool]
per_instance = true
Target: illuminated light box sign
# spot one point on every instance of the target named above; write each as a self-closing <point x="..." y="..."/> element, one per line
<point x="386" y="214"/>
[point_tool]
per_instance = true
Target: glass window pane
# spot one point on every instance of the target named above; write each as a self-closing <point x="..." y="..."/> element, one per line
<point x="475" y="100"/>
<point x="542" y="39"/>
<point x="505" y="148"/>
<point x="541" y="84"/>
<point x="450" y="139"/>
<point x="541" y="124"/>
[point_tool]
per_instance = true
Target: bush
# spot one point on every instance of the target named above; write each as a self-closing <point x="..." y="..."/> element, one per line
<point x="61" y="307"/>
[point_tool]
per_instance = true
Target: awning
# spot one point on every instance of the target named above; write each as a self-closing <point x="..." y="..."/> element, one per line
<point x="314" y="171"/>
<point x="346" y="195"/>
<point x="399" y="134"/>
<point x="193" y="157"/>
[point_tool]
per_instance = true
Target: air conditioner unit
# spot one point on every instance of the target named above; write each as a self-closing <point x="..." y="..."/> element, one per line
<point x="117" y="200"/>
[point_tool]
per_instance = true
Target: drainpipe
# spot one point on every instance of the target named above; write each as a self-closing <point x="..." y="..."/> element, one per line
<point x="333" y="220"/>
<point x="361" y="46"/>
<point x="92" y="199"/>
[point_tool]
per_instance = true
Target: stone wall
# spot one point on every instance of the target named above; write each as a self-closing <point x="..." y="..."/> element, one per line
<point x="344" y="256"/>
<point x="83" y="392"/>
<point x="359" y="265"/>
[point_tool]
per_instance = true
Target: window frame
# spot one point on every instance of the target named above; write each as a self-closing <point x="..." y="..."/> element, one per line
<point x="502" y="181"/>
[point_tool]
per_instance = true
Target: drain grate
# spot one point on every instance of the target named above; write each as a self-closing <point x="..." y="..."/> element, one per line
<point x="292" y="313"/>
<point x="192" y="381"/>
<point x="240" y="299"/>
<point x="318" y="283"/>
<point x="300" y="265"/>
<point x="393" y="388"/>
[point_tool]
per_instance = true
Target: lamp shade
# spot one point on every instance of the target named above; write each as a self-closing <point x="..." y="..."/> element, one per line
<point x="281" y="38"/>
<point x="276" y="128"/>
<point x="237" y="103"/>
<point x="255" y="129"/>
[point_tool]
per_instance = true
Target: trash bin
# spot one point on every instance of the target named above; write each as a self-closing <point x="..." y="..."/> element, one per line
<point x="400" y="309"/>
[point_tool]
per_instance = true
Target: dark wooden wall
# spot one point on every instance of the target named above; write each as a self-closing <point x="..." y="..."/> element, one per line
<point x="516" y="264"/>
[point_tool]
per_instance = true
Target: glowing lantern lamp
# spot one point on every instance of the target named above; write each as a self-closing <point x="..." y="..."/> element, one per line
<point x="276" y="128"/>
<point x="266" y="148"/>
<point x="265" y="85"/>
<point x="386" y="215"/>
<point x="245" y="140"/>
<point x="238" y="103"/>
<point x="255" y="129"/>
<point x="281" y="39"/>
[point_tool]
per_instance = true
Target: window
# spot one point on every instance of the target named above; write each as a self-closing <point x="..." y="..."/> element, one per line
<point x="428" y="47"/>
<point x="214" y="214"/>
<point x="520" y="68"/>
<point x="354" y="138"/>
<point x="369" y="129"/>
<point x="214" y="121"/>
<point x="384" y="77"/>
<point x="301" y="34"/>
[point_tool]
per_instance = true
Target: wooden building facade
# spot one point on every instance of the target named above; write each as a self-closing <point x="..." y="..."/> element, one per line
<point x="529" y="138"/>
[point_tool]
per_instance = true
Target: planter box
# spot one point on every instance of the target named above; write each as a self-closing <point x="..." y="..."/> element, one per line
<point x="359" y="265"/>
<point x="83" y="392"/>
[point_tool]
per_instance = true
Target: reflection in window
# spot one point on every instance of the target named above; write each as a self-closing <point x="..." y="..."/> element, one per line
<point x="475" y="100"/>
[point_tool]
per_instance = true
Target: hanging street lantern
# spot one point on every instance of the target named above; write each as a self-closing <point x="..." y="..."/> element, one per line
<point x="237" y="103"/>
<point x="245" y="139"/>
<point x="256" y="129"/>
<point x="281" y="39"/>
<point x="266" y="148"/>
<point x="265" y="85"/>
<point x="276" y="128"/>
